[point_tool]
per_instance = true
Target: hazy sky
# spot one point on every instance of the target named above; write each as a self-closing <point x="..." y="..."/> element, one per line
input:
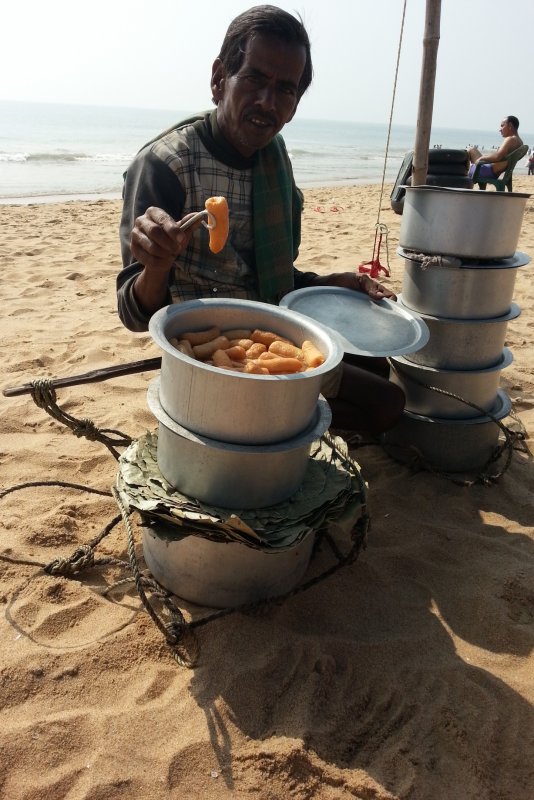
<point x="148" y="54"/>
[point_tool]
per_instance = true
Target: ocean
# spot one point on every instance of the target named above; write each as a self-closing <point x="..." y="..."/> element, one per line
<point x="50" y="152"/>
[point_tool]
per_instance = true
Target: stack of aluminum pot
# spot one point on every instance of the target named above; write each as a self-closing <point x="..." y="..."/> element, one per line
<point x="233" y="440"/>
<point x="459" y="250"/>
<point x="229" y="438"/>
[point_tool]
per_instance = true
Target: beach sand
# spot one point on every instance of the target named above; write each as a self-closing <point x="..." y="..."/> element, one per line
<point x="408" y="674"/>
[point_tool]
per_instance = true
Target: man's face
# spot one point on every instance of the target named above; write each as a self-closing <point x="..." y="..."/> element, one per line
<point x="254" y="104"/>
<point x="506" y="128"/>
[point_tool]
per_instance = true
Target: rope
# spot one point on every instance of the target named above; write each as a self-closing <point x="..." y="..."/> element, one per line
<point x="84" y="556"/>
<point x="178" y="634"/>
<point x="510" y="437"/>
<point x="391" y="112"/>
<point x="173" y="631"/>
<point x="374" y="267"/>
<point x="65" y="484"/>
<point x="44" y="396"/>
<point x="359" y="541"/>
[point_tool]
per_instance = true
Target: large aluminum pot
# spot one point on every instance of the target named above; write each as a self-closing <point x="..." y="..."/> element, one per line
<point x="458" y="445"/>
<point x="475" y="386"/>
<point x="462" y="222"/>
<point x="233" y="475"/>
<point x="469" y="291"/>
<point x="232" y="406"/>
<point x="222" y="574"/>
<point x="463" y="343"/>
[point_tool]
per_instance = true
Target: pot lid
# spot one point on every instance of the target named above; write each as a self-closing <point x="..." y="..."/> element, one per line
<point x="500" y="409"/>
<point x="505" y="360"/>
<point x="365" y="327"/>
<point x="513" y="313"/>
<point x="456" y="190"/>
<point x="517" y="260"/>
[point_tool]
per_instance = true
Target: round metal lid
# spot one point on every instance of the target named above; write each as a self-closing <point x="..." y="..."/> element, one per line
<point x="364" y="326"/>
<point x="499" y="196"/>
<point x="513" y="313"/>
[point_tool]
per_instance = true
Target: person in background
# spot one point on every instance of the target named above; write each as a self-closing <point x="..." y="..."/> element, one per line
<point x="257" y="80"/>
<point x="531" y="163"/>
<point x="495" y="162"/>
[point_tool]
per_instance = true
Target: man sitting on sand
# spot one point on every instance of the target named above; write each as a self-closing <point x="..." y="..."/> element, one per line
<point x="494" y="163"/>
<point x="263" y="69"/>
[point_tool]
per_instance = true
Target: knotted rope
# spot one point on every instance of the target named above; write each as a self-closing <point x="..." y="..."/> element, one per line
<point x="510" y="438"/>
<point x="176" y="630"/>
<point x="44" y="396"/>
<point x="178" y="633"/>
<point x="84" y="556"/>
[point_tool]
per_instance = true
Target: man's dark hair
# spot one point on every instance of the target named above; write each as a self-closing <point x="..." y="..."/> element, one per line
<point x="267" y="20"/>
<point x="513" y="121"/>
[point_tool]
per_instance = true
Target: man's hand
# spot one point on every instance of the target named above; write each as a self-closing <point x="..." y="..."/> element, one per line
<point x="156" y="242"/>
<point x="359" y="282"/>
<point x="156" y="239"/>
<point x="374" y="289"/>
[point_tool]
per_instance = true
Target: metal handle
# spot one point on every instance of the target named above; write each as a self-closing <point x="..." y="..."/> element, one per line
<point x="200" y="215"/>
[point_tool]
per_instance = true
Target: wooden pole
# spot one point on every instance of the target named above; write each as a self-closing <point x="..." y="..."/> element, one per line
<point x="94" y="376"/>
<point x="426" y="92"/>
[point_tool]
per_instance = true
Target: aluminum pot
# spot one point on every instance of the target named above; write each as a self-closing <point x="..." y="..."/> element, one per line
<point x="469" y="291"/>
<point x="476" y="386"/>
<point x="450" y="445"/>
<point x="232" y="406"/>
<point x="228" y="474"/>
<point x="466" y="344"/>
<point x="220" y="574"/>
<point x="462" y="222"/>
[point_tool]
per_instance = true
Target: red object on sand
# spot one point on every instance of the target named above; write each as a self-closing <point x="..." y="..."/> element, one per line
<point x="374" y="267"/>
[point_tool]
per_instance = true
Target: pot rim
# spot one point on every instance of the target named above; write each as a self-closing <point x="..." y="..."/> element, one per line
<point x="473" y="193"/>
<point x="513" y="313"/>
<point x="505" y="361"/>
<point x="158" y="320"/>
<point x="519" y="259"/>
<point x="501" y="408"/>
<point x="320" y="422"/>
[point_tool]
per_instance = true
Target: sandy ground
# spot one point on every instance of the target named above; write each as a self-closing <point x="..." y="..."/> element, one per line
<point x="408" y="674"/>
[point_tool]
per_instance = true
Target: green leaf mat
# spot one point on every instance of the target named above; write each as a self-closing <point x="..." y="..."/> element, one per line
<point x="332" y="491"/>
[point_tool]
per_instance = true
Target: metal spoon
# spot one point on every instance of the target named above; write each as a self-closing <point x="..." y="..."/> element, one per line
<point x="207" y="220"/>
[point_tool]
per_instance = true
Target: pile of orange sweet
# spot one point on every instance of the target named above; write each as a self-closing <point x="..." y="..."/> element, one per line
<point x="254" y="352"/>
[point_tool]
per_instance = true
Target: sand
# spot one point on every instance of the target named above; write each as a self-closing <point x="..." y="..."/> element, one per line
<point x="408" y="674"/>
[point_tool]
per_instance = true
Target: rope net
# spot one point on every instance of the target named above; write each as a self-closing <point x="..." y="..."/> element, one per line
<point x="160" y="603"/>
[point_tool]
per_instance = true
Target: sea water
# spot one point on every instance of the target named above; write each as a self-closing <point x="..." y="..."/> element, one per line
<point x="49" y="151"/>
